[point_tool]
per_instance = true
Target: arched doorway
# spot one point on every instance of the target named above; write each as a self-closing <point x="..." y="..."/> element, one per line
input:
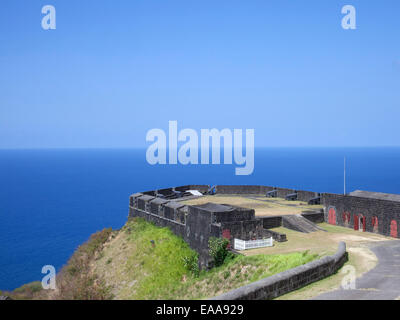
<point x="346" y="218"/>
<point x="393" y="229"/>
<point x="332" y="216"/>
<point x="375" y="224"/>
<point x="361" y="223"/>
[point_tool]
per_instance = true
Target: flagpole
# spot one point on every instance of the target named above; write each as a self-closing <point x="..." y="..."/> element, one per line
<point x="344" y="176"/>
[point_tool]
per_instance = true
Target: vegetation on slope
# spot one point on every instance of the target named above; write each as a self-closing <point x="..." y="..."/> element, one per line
<point x="148" y="262"/>
<point x="142" y="261"/>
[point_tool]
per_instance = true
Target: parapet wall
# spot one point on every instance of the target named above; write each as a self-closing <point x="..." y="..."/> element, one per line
<point x="306" y="195"/>
<point x="289" y="280"/>
<point x="231" y="189"/>
<point x="176" y="227"/>
<point x="302" y="195"/>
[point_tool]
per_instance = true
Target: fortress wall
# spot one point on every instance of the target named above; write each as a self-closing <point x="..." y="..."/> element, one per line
<point x="180" y="216"/>
<point x="157" y="207"/>
<point x="133" y="199"/>
<point x="174" y="211"/>
<point x="244" y="230"/>
<point x="385" y="210"/>
<point x="143" y="202"/>
<point x="198" y="231"/>
<point x="306" y="195"/>
<point x="237" y="215"/>
<point x="165" y="192"/>
<point x="203" y="188"/>
<point x="283" y="192"/>
<point x="177" y="228"/>
<point x="200" y="187"/>
<point x="229" y="189"/>
<point x="150" y="193"/>
<point x="289" y="280"/>
<point x="262" y="190"/>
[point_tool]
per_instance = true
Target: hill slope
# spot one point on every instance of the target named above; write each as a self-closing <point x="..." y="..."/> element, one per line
<point x="142" y="261"/>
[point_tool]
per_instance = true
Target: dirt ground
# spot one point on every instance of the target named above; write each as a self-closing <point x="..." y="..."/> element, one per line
<point x="263" y="206"/>
<point x="326" y="243"/>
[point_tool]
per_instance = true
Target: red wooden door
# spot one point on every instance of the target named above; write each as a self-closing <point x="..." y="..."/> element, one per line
<point x="393" y="229"/>
<point x="332" y="216"/>
<point x="355" y="222"/>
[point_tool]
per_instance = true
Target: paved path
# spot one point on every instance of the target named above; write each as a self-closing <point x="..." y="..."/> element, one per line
<point x="380" y="283"/>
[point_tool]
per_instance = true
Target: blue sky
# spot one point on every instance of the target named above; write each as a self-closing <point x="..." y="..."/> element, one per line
<point x="112" y="70"/>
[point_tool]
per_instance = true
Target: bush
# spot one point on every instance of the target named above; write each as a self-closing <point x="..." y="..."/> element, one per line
<point x="191" y="263"/>
<point x="218" y="249"/>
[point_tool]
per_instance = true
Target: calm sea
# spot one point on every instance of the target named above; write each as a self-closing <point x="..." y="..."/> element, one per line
<point x="52" y="200"/>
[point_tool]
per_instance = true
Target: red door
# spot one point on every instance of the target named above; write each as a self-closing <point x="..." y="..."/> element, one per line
<point x="355" y="222"/>
<point x="393" y="229"/>
<point x="332" y="216"/>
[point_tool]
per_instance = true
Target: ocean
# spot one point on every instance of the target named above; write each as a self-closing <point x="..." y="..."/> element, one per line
<point x="52" y="200"/>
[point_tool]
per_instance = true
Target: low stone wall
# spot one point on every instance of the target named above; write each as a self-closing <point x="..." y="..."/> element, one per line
<point x="271" y="222"/>
<point x="289" y="280"/>
<point x="277" y="236"/>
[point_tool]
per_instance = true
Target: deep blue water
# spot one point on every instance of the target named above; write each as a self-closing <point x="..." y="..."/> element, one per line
<point x="52" y="200"/>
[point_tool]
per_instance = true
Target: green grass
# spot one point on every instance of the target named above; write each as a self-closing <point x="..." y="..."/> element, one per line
<point x="157" y="268"/>
<point x="160" y="272"/>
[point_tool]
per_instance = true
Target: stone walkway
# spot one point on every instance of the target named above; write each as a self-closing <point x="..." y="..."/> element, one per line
<point x="380" y="283"/>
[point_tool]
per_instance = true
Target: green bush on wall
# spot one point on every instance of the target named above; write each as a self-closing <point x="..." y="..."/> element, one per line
<point x="218" y="249"/>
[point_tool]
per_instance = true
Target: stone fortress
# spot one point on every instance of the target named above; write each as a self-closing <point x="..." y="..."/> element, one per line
<point x="198" y="212"/>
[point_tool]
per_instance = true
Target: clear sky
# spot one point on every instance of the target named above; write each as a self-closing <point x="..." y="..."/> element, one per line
<point x="112" y="70"/>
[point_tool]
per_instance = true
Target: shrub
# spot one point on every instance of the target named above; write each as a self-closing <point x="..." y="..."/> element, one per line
<point x="218" y="249"/>
<point x="191" y="263"/>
